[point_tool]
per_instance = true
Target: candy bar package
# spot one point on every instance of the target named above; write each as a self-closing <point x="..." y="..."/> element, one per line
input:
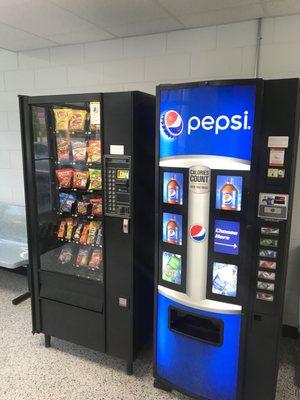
<point x="94" y="226"/>
<point x="65" y="255"/>
<point x="77" y="120"/>
<point x="77" y="233"/>
<point x="84" y="234"/>
<point x="95" y="179"/>
<point x="62" y="116"/>
<point x="96" y="203"/>
<point x="62" y="229"/>
<point x="66" y="202"/>
<point x="78" y="150"/>
<point x="83" y="257"/>
<point x="94" y="151"/>
<point x="99" y="235"/>
<point x="63" y="149"/>
<point x="95" y="260"/>
<point x="82" y="207"/>
<point x="71" y="223"/>
<point x="94" y="115"/>
<point x="64" y="177"/>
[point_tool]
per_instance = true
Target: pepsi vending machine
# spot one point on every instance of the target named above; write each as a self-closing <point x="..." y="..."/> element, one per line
<point x="226" y="155"/>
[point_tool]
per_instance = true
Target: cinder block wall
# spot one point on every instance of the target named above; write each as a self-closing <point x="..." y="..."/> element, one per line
<point x="140" y="63"/>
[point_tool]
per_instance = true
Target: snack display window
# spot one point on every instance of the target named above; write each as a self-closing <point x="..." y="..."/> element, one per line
<point x="68" y="160"/>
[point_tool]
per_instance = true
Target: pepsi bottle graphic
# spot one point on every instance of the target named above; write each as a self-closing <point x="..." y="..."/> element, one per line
<point x="173" y="191"/>
<point x="172" y="232"/>
<point x="229" y="196"/>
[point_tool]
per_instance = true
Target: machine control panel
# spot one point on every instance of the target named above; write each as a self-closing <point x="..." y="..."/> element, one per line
<point x="117" y="186"/>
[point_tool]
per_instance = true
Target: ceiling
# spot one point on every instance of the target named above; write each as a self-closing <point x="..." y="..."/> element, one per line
<point x="33" y="24"/>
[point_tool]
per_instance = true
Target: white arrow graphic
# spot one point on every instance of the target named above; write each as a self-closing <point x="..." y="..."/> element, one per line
<point x="225" y="244"/>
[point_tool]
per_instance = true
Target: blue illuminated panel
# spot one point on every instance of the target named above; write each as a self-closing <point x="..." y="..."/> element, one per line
<point x="193" y="366"/>
<point x="215" y="120"/>
<point x="227" y="237"/>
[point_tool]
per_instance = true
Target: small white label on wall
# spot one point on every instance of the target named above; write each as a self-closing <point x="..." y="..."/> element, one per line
<point x="116" y="149"/>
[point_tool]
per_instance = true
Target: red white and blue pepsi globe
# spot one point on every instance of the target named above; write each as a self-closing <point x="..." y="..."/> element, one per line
<point x="171" y="123"/>
<point x="197" y="233"/>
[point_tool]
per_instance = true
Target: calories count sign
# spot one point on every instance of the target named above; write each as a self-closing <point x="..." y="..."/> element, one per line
<point x="199" y="179"/>
<point x="227" y="237"/>
<point x="199" y="184"/>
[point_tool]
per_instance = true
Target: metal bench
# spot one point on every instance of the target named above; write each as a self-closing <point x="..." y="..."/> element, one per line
<point x="13" y="240"/>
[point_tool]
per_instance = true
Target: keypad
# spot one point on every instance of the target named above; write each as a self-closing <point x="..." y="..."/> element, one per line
<point x="111" y="192"/>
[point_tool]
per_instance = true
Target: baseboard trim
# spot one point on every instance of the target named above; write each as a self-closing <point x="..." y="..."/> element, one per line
<point x="290" y="332"/>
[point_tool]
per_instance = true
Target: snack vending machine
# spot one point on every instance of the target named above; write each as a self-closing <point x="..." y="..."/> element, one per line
<point x="226" y="156"/>
<point x="89" y="179"/>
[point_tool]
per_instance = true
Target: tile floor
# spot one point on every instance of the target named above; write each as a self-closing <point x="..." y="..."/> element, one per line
<point x="68" y="372"/>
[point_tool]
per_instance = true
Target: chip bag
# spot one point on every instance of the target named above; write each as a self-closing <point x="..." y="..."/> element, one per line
<point x="63" y="149"/>
<point x="95" y="179"/>
<point x="65" y="255"/>
<point x="66" y="202"/>
<point x="96" y="206"/>
<point x="80" y="179"/>
<point x="82" y="257"/>
<point x="94" y="151"/>
<point x="95" y="259"/>
<point x="94" y="115"/>
<point x="77" y="120"/>
<point x="64" y="177"/>
<point x="62" y="116"/>
<point x="79" y="150"/>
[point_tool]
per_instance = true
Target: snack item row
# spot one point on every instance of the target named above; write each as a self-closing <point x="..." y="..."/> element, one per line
<point x="87" y="205"/>
<point x="78" y="150"/>
<point x="89" y="233"/>
<point x="89" y="258"/>
<point x="79" y="179"/>
<point x="86" y="257"/>
<point x="68" y="119"/>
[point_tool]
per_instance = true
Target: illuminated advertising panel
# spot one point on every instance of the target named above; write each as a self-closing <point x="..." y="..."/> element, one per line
<point x="213" y="120"/>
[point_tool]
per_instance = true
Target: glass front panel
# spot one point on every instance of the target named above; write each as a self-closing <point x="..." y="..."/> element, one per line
<point x="67" y="149"/>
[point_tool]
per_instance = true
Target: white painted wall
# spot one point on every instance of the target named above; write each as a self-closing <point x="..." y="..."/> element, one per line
<point x="218" y="52"/>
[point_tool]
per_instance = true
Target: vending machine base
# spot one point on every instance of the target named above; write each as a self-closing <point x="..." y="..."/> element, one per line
<point x="198" y="348"/>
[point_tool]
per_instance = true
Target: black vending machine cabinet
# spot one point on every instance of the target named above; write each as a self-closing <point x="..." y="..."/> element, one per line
<point x="89" y="184"/>
<point x="225" y="172"/>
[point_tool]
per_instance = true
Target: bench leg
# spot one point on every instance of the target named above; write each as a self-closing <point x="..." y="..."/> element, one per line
<point x="21" y="298"/>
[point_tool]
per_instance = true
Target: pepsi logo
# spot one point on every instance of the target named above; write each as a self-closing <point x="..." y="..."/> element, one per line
<point x="197" y="233"/>
<point x="171" y="123"/>
<point x="227" y="198"/>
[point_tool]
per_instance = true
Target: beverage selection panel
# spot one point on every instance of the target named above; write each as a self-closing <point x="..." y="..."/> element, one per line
<point x="117" y="186"/>
<point x="173" y="221"/>
<point x="226" y="254"/>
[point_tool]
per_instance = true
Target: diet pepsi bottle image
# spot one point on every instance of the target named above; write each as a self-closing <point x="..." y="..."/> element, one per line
<point x="173" y="191"/>
<point x="172" y="233"/>
<point x="229" y="196"/>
